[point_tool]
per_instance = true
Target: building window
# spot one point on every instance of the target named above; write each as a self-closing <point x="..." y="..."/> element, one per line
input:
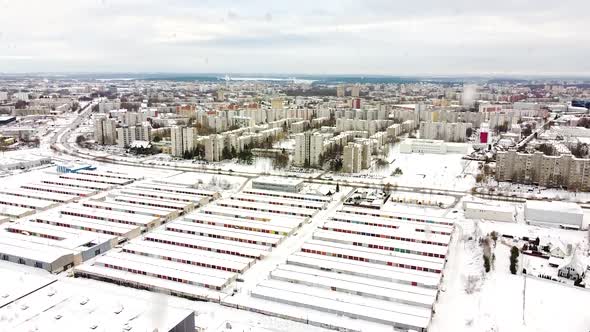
<point x="38" y="265"/>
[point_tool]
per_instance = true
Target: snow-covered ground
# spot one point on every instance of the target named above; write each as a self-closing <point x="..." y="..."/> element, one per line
<point x="438" y="171"/>
<point x="414" y="209"/>
<point x="497" y="301"/>
<point x="532" y="191"/>
<point x="208" y="181"/>
<point x="419" y="199"/>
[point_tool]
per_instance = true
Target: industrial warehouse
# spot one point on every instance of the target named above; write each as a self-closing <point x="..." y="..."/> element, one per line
<point x="384" y="268"/>
<point x="66" y="235"/>
<point x="32" y="299"/>
<point x="202" y="254"/>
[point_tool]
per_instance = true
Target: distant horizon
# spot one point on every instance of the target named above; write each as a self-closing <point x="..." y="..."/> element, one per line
<point x="287" y="75"/>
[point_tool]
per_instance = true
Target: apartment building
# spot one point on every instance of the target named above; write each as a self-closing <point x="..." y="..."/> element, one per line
<point x="432" y="146"/>
<point x="128" y="134"/>
<point x="105" y="130"/>
<point x="537" y="168"/>
<point x="183" y="139"/>
<point x="308" y="149"/>
<point x="355" y="91"/>
<point x="352" y="158"/>
<point x="446" y="131"/>
<point x="214" y="147"/>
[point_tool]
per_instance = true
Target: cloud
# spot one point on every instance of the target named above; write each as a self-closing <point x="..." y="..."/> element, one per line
<point x="325" y="37"/>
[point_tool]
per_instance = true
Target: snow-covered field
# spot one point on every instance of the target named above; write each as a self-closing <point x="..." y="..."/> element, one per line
<point x="208" y="181"/>
<point x="414" y="209"/>
<point x="533" y="192"/>
<point x="439" y="171"/>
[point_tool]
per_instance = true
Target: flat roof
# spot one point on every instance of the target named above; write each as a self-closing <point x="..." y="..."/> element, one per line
<point x="64" y="198"/>
<point x="276" y="180"/>
<point x="163" y="194"/>
<point x="380" y="289"/>
<point x="416" y="257"/>
<point x="89" y="224"/>
<point x="18" y="281"/>
<point x="14" y="211"/>
<point x="134" y="219"/>
<point x="80" y="305"/>
<point x="193" y="251"/>
<point x="291" y="195"/>
<point x="77" y="183"/>
<point x="219" y="245"/>
<point x="489" y="207"/>
<point x="393" y="232"/>
<point x="199" y="275"/>
<point x="554" y="206"/>
<point x="165" y="251"/>
<point x="70" y="237"/>
<point x="31" y="203"/>
<point x="22" y="246"/>
<point x="345" y="238"/>
<point x="364" y="280"/>
<point x="397" y="215"/>
<point x="109" y="174"/>
<point x="373" y="271"/>
<point x="174" y="187"/>
<point x="239" y="223"/>
<point x="350" y="298"/>
<point x="95" y="179"/>
<point x="315" y="298"/>
<point x="402" y="225"/>
<point x="216" y="231"/>
<point x="279" y="200"/>
<point x="122" y="207"/>
<point x="265" y="207"/>
<point x="156" y="284"/>
<point x="380" y="258"/>
<point x="287" y="220"/>
<point x="46" y="187"/>
<point x="176" y="205"/>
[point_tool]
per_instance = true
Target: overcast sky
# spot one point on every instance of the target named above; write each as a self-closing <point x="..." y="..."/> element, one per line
<point x="416" y="37"/>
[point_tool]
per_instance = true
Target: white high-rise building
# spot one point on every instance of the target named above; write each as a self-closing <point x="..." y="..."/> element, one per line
<point x="366" y="154"/>
<point x="308" y="149"/>
<point x="214" y="147"/>
<point x="105" y="130"/>
<point x="124" y="136"/>
<point x="189" y="138"/>
<point x="3" y="95"/>
<point x="176" y="141"/>
<point x="24" y="96"/>
<point x="352" y="158"/>
<point x="449" y="132"/>
<point x="182" y="139"/>
<point x="356" y="91"/>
